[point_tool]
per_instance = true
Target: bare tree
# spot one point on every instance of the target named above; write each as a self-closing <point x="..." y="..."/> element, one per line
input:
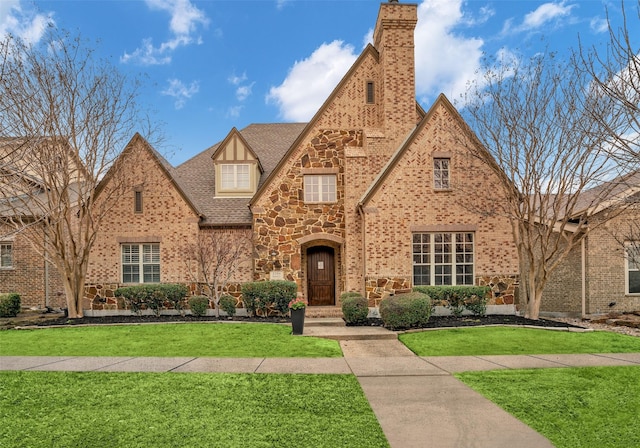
<point x="213" y="260"/>
<point x="69" y="114"/>
<point x="615" y="70"/>
<point x="549" y="133"/>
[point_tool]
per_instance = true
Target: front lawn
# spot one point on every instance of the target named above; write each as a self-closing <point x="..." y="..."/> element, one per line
<point x="515" y="341"/>
<point x="196" y="340"/>
<point x="44" y="409"/>
<point x="583" y="407"/>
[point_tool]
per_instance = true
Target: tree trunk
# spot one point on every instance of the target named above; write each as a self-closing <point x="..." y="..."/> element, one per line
<point x="74" y="293"/>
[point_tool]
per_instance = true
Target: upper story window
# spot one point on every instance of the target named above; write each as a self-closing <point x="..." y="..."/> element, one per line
<point x="443" y="258"/>
<point x="140" y="263"/>
<point x="370" y="92"/>
<point x="137" y="201"/>
<point x="441" y="173"/>
<point x="320" y="188"/>
<point x="633" y="268"/>
<point x="6" y="255"/>
<point x="235" y="177"/>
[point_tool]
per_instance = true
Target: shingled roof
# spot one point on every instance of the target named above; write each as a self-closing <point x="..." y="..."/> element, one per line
<point x="196" y="176"/>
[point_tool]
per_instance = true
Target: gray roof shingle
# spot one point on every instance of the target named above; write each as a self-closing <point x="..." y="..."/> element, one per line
<point x="196" y="176"/>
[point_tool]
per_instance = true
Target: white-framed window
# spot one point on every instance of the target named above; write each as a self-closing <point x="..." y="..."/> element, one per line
<point x="140" y="263"/>
<point x="235" y="177"/>
<point x="6" y="254"/>
<point x="320" y="188"/>
<point x="441" y="173"/>
<point x="632" y="268"/>
<point x="443" y="258"/>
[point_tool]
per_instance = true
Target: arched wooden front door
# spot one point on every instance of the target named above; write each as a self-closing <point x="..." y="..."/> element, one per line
<point x="321" y="286"/>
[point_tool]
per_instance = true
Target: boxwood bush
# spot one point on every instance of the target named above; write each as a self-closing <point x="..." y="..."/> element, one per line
<point x="10" y="304"/>
<point x="459" y="298"/>
<point x="152" y="296"/>
<point x="199" y="305"/>
<point x="411" y="310"/>
<point x="355" y="308"/>
<point x="228" y="304"/>
<point x="274" y="294"/>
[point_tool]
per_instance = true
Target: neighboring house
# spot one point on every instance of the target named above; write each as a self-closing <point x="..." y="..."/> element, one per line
<point x="365" y="197"/>
<point x="603" y="273"/>
<point x="23" y="268"/>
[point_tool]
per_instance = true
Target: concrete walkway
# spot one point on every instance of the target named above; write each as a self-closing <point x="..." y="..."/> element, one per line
<point x="416" y="399"/>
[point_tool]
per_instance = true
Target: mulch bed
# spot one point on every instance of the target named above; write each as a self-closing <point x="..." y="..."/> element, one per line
<point x="434" y="321"/>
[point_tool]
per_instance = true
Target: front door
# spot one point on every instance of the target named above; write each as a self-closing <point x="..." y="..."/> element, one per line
<point x="321" y="276"/>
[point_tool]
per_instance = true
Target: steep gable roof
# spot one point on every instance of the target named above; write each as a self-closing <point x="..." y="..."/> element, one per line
<point x="369" y="50"/>
<point x="393" y="161"/>
<point x="234" y="133"/>
<point x="269" y="142"/>
<point x="138" y="141"/>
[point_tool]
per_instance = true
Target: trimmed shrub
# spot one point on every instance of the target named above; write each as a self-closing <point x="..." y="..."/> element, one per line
<point x="152" y="296"/>
<point x="262" y="295"/>
<point x="457" y="298"/>
<point x="10" y="304"/>
<point x="411" y="310"/>
<point x="355" y="308"/>
<point x="228" y="304"/>
<point x="199" y="305"/>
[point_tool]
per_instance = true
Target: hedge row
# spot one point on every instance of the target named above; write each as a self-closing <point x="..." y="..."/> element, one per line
<point x="153" y="296"/>
<point x="411" y="310"/>
<point x="261" y="296"/>
<point x="459" y="298"/>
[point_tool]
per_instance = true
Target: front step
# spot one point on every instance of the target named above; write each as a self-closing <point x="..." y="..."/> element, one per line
<point x="324" y="322"/>
<point x="323" y="311"/>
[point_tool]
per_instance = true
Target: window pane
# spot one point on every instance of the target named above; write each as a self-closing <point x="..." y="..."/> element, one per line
<point x="151" y="273"/>
<point x="243" y="180"/>
<point x="131" y="273"/>
<point x="320" y="188"/>
<point x="421" y="275"/>
<point x="6" y="255"/>
<point x="634" y="282"/>
<point x="227" y="173"/>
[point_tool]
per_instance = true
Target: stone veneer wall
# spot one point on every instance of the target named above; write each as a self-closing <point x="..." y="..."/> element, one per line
<point x="504" y="288"/>
<point x="282" y="218"/>
<point x="102" y="297"/>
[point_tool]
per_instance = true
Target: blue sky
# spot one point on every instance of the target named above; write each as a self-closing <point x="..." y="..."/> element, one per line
<point x="211" y="65"/>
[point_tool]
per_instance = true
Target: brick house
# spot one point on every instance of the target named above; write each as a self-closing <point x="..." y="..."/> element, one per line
<point x="603" y="273"/>
<point x="363" y="198"/>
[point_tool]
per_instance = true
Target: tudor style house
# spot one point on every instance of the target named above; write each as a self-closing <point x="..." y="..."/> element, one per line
<point x="374" y="194"/>
<point x="363" y="198"/>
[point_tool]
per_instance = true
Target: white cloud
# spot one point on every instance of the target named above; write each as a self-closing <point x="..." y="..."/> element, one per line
<point x="546" y="13"/>
<point x="234" y="111"/>
<point x="598" y="25"/>
<point x="181" y="92"/>
<point x="445" y="61"/>
<point x="237" y="80"/>
<point x="23" y="22"/>
<point x="542" y="16"/>
<point x="243" y="92"/>
<point x="183" y="25"/>
<point x="311" y="80"/>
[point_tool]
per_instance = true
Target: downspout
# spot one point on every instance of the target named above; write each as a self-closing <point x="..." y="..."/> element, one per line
<point x="584" y="277"/>
<point x="47" y="303"/>
<point x="364" y="250"/>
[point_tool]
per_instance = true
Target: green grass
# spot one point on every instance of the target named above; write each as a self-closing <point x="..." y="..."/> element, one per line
<point x="213" y="340"/>
<point x="45" y="409"/>
<point x="574" y="408"/>
<point x="515" y="341"/>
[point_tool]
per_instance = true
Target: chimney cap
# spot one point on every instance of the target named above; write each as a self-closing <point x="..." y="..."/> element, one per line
<point x="393" y="1"/>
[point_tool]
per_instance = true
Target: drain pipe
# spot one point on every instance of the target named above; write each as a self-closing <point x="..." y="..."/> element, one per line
<point x="584" y="277"/>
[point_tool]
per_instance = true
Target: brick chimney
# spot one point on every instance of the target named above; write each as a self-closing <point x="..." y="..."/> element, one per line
<point x="393" y="38"/>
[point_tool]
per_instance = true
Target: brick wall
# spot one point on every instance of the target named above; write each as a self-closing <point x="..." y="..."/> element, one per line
<point x="406" y="202"/>
<point x="27" y="276"/>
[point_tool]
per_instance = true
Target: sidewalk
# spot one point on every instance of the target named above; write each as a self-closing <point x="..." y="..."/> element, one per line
<point x="416" y="399"/>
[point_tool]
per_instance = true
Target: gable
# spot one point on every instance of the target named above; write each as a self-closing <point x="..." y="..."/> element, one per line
<point x="237" y="167"/>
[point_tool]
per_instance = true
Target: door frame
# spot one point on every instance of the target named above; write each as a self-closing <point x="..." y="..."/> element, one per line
<point x="337" y="265"/>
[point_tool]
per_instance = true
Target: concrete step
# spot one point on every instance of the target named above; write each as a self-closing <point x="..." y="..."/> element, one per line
<point x="344" y="333"/>
<point x="323" y="322"/>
